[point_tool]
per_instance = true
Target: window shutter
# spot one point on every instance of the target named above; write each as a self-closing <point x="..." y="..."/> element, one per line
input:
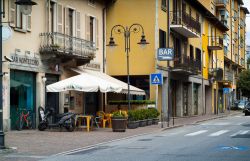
<point x="12" y="13"/>
<point x="66" y="18"/>
<point x="24" y="22"/>
<point x="59" y="18"/>
<point x="87" y="27"/>
<point x="97" y="32"/>
<point x="78" y="24"/>
<point x="29" y="22"/>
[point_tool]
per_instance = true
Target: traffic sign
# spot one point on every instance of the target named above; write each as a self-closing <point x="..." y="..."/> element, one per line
<point x="226" y="90"/>
<point x="164" y="54"/>
<point x="156" y="79"/>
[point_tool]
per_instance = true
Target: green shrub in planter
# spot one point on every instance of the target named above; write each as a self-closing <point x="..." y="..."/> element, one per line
<point x="119" y="121"/>
<point x="133" y="119"/>
<point x="154" y="113"/>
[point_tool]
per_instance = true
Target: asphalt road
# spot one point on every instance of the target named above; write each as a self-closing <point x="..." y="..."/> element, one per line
<point x="225" y="139"/>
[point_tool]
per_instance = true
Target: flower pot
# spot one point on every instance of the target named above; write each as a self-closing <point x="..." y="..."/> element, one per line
<point x="149" y="121"/>
<point x="155" y="121"/>
<point x="133" y="124"/>
<point x="119" y="124"/>
<point x="142" y="123"/>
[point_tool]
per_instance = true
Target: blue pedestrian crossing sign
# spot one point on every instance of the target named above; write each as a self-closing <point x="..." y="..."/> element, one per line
<point x="156" y="79"/>
<point x="226" y="90"/>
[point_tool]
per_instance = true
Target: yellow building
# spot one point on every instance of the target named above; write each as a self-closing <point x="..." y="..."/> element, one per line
<point x="199" y="32"/>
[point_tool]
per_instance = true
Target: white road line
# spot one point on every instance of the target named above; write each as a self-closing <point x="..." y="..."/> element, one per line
<point x="244" y="132"/>
<point x="219" y="133"/>
<point x="196" y="133"/>
<point x="217" y="123"/>
<point x="237" y="133"/>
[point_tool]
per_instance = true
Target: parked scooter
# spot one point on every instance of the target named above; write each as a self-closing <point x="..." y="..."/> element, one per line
<point x="66" y="120"/>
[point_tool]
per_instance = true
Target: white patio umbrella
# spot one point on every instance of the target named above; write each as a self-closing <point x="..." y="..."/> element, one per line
<point x="86" y="83"/>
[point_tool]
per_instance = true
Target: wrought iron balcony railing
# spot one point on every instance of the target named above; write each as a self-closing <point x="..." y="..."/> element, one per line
<point x="185" y="64"/>
<point x="66" y="45"/>
<point x="221" y="3"/>
<point x="215" y="43"/>
<point x="229" y="76"/>
<point x="183" y="19"/>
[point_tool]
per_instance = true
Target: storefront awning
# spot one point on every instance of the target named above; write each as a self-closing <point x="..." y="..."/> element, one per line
<point x="92" y="81"/>
<point x="133" y="90"/>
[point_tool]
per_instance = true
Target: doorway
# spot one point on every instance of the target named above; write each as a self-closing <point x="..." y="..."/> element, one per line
<point x="91" y="103"/>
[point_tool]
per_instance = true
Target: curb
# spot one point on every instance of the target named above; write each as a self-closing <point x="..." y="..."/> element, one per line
<point x="8" y="150"/>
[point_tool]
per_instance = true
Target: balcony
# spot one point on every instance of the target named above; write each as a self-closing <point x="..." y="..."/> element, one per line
<point x="236" y="59"/>
<point x="242" y="23"/>
<point x="242" y="62"/>
<point x="221" y="3"/>
<point x="242" y="42"/>
<point x="66" y="48"/>
<point x="184" y="65"/>
<point x="228" y="76"/>
<point x="185" y="24"/>
<point x="215" y="43"/>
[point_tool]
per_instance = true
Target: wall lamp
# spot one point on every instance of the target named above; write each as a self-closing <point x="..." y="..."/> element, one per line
<point x="44" y="79"/>
<point x="4" y="74"/>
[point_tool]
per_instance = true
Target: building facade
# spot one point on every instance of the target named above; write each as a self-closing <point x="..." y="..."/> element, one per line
<point x="202" y="34"/>
<point x="57" y="36"/>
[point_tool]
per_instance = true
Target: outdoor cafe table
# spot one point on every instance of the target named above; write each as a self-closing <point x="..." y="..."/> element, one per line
<point x="80" y="119"/>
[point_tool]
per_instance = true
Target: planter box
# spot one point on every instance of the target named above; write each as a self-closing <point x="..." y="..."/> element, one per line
<point x="155" y="121"/>
<point x="119" y="124"/>
<point x="149" y="121"/>
<point x="133" y="124"/>
<point x="142" y="123"/>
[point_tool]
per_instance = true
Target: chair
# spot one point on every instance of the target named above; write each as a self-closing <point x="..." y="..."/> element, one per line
<point x="102" y="119"/>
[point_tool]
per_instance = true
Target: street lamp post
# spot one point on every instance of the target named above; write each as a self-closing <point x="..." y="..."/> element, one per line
<point x="134" y="28"/>
<point x="26" y="9"/>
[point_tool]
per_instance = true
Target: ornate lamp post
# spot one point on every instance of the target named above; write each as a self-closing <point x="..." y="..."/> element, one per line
<point x="134" y="28"/>
<point x="25" y="9"/>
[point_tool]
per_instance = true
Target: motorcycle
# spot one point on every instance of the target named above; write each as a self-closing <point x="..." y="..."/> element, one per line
<point x="66" y="120"/>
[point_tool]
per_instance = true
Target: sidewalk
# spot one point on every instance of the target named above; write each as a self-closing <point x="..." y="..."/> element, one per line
<point x="45" y="143"/>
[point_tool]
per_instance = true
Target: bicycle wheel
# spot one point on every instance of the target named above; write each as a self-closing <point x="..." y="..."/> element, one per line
<point x="29" y="122"/>
<point x="19" y="123"/>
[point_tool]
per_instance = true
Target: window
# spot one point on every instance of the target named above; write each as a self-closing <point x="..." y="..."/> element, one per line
<point x="164" y="5"/>
<point x="191" y="52"/>
<point x="162" y="39"/>
<point x="52" y="11"/>
<point x="92" y="29"/>
<point x="18" y="20"/>
<point x="198" y="57"/>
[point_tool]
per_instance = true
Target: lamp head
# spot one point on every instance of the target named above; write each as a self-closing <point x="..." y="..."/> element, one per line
<point x="44" y="79"/>
<point x="112" y="44"/>
<point x="26" y="6"/>
<point x="143" y="43"/>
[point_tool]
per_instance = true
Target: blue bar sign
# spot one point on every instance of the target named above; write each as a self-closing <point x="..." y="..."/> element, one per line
<point x="164" y="54"/>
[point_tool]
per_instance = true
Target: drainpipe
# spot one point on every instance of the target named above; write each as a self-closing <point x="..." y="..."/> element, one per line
<point x="104" y="95"/>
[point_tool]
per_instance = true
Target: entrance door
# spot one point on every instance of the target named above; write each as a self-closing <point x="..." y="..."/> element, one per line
<point x="22" y="95"/>
<point x="52" y="98"/>
<point x="185" y="99"/>
<point x="195" y="99"/>
<point x="91" y="103"/>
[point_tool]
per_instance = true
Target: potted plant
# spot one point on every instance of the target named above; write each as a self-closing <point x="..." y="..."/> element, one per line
<point x="154" y="114"/>
<point x="133" y="119"/>
<point x="149" y="117"/>
<point x="119" y="121"/>
<point x="142" y="117"/>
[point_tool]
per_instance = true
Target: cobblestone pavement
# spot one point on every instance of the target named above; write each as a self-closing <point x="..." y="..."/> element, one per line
<point x="40" y="144"/>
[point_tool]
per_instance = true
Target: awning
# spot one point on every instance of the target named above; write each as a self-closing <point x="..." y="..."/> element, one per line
<point x="84" y="82"/>
<point x="133" y="90"/>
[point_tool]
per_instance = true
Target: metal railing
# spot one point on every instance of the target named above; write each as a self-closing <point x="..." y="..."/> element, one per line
<point x="242" y="61"/>
<point x="65" y="44"/>
<point x="228" y="76"/>
<point x="185" y="63"/>
<point x="215" y="41"/>
<point x="242" y="23"/>
<point x="184" y="19"/>
<point x="221" y="2"/>
<point x="237" y="58"/>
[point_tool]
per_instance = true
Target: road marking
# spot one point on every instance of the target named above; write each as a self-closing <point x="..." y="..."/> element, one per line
<point x="241" y="132"/>
<point x="196" y="133"/>
<point x="217" y="123"/>
<point x="219" y="133"/>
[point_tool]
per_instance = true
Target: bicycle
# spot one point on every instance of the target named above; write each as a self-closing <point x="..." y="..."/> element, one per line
<point x="24" y="120"/>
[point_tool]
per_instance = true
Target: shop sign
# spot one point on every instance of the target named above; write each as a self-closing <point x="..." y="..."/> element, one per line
<point x="24" y="60"/>
<point x="164" y="54"/>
